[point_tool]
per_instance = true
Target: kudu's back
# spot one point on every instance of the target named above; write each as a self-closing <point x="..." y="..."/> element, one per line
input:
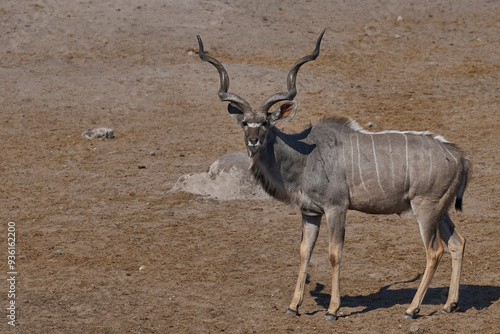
<point x="380" y="171"/>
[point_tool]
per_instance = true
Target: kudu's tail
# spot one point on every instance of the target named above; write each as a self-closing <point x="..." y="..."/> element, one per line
<point x="466" y="172"/>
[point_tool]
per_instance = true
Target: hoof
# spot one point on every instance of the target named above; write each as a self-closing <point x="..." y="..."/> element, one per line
<point x="330" y="317"/>
<point x="411" y="315"/>
<point x="453" y="308"/>
<point x="292" y="312"/>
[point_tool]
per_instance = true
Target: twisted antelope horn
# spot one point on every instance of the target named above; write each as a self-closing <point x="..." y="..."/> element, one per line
<point x="292" y="75"/>
<point x="224" y="82"/>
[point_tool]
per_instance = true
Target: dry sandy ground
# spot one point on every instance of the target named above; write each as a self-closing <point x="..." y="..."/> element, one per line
<point x="87" y="218"/>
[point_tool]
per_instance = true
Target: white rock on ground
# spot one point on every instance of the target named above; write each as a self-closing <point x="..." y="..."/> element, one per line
<point x="227" y="178"/>
<point x="98" y="133"/>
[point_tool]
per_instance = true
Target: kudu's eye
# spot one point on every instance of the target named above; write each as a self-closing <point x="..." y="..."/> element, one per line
<point x="244" y="124"/>
<point x="264" y="123"/>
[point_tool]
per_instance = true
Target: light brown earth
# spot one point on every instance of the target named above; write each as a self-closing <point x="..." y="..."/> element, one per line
<point x="88" y="218"/>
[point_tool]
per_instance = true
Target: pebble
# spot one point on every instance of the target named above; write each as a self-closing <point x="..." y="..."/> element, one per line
<point x="98" y="133"/>
<point x="415" y="329"/>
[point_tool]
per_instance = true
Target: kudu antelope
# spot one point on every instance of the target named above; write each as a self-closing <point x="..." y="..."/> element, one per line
<point x="335" y="166"/>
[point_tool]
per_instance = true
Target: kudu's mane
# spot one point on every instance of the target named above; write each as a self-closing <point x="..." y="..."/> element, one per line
<point x="354" y="126"/>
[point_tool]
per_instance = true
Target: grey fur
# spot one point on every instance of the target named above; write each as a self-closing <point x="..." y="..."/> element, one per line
<point x="335" y="160"/>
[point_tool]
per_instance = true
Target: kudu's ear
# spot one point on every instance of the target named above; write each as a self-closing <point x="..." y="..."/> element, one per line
<point x="285" y="111"/>
<point x="235" y="113"/>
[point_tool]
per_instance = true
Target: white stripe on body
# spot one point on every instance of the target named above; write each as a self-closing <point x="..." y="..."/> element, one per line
<point x="343" y="148"/>
<point x="407" y="165"/>
<point x="392" y="163"/>
<point x="359" y="163"/>
<point x="352" y="160"/>
<point x="456" y="161"/>
<point x="376" y="164"/>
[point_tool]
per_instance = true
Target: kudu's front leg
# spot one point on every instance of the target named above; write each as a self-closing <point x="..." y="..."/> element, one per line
<point x="335" y="219"/>
<point x="310" y="229"/>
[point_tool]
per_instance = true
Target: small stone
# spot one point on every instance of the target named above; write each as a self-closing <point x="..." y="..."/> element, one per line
<point x="152" y="153"/>
<point x="141" y="167"/>
<point x="400" y="18"/>
<point x="58" y="252"/>
<point x="98" y="133"/>
<point x="142" y="267"/>
<point x="371" y="125"/>
<point x="415" y="329"/>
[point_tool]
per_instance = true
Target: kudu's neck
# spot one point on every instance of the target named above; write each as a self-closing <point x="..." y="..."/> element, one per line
<point x="277" y="166"/>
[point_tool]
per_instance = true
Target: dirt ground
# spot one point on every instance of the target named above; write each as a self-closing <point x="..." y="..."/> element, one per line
<point x="103" y="247"/>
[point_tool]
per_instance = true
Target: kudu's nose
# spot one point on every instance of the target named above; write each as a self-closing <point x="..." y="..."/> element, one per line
<point x="253" y="141"/>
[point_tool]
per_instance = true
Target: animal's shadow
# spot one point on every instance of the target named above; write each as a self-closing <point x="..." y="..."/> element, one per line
<point x="471" y="297"/>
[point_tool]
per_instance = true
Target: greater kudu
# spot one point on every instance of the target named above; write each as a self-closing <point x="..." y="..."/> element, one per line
<point x="336" y="165"/>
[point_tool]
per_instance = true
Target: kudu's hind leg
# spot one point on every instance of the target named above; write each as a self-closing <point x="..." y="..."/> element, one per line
<point x="456" y="244"/>
<point x="429" y="229"/>
<point x="336" y="231"/>
<point x="310" y="229"/>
